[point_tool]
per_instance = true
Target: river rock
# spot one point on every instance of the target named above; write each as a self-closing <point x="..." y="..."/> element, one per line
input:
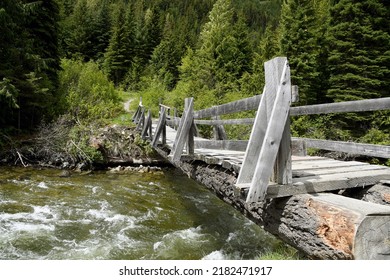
<point x="65" y="173"/>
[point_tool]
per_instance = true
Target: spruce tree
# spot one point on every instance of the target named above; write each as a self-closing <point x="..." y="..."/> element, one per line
<point x="300" y="35"/>
<point x="359" y="50"/>
<point x="359" y="60"/>
<point x="120" y="53"/>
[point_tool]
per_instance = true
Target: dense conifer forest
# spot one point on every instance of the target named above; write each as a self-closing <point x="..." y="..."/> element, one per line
<point x="74" y="57"/>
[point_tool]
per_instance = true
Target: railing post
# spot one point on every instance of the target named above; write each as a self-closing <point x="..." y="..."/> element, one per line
<point x="191" y="132"/>
<point x="147" y="129"/>
<point x="182" y="135"/>
<point x="219" y="130"/>
<point x="270" y="141"/>
<point x="160" y="128"/>
<point x="141" y="120"/>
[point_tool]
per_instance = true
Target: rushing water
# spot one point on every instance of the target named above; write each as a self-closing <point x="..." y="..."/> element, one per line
<point x="119" y="216"/>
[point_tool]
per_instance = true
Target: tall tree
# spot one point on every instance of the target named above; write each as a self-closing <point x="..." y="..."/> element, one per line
<point x="222" y="57"/>
<point x="120" y="53"/>
<point x="300" y="37"/>
<point x="31" y="60"/>
<point x="359" y="60"/>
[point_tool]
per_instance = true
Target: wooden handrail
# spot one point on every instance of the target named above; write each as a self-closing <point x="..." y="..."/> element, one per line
<point x="247" y="104"/>
<point x="343" y="107"/>
<point x="380" y="151"/>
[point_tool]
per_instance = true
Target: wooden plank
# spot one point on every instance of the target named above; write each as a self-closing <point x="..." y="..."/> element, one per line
<point x="247" y="121"/>
<point x="191" y="132"/>
<point x="312" y="165"/>
<point x="141" y="120"/>
<point x="251" y="103"/>
<point x="147" y="127"/>
<point x="159" y="128"/>
<point x="273" y="136"/>
<point x="343" y="107"/>
<point x="219" y="130"/>
<point x="182" y="133"/>
<point x="273" y="75"/>
<point x="135" y="116"/>
<point x="235" y="145"/>
<point x="324" y="183"/>
<point x="381" y="151"/>
<point x="255" y="143"/>
<point x="335" y="170"/>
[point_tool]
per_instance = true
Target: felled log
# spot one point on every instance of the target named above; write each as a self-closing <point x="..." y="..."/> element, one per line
<point x="323" y="226"/>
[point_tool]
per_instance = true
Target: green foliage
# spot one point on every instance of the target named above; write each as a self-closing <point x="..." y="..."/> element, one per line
<point x="302" y="30"/>
<point x="79" y="147"/>
<point x="359" y="57"/>
<point x="281" y="251"/>
<point x="29" y="61"/>
<point x="87" y="93"/>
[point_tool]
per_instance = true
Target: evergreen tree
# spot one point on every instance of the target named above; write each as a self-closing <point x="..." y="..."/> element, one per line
<point x="11" y="52"/>
<point x="359" y="60"/>
<point x="300" y="37"/>
<point x="167" y="55"/>
<point x="360" y="50"/>
<point x="121" y="50"/>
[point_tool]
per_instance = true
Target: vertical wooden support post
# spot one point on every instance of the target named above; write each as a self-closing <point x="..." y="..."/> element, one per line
<point x="141" y="120"/>
<point x="219" y="130"/>
<point x="275" y="130"/>
<point x="135" y="116"/>
<point x="186" y="122"/>
<point x="164" y="127"/>
<point x="147" y="127"/>
<point x="273" y="78"/>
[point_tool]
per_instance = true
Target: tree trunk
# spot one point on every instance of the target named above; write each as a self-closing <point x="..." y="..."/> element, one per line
<point x="323" y="226"/>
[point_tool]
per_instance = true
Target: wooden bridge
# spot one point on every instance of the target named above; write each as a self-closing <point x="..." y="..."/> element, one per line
<point x="272" y="164"/>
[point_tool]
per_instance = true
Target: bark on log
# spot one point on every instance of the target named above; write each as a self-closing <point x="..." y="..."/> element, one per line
<point x="323" y="226"/>
<point x="379" y="193"/>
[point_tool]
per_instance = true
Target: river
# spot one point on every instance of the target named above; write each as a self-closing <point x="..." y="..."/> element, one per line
<point x="102" y="215"/>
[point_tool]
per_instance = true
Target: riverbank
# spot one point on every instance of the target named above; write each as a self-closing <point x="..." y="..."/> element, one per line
<point x="75" y="147"/>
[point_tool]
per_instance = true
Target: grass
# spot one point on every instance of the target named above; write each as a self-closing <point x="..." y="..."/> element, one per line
<point x="281" y="251"/>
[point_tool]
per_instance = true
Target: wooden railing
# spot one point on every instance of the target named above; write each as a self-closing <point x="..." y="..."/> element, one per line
<point x="269" y="149"/>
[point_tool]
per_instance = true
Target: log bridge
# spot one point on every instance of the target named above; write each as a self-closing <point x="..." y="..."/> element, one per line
<point x="301" y="199"/>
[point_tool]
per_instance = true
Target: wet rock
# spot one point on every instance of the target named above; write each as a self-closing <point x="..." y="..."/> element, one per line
<point x="65" y="173"/>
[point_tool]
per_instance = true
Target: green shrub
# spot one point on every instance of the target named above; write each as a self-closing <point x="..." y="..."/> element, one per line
<point x="86" y="92"/>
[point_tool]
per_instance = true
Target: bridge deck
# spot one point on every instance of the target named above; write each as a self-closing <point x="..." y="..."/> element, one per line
<point x="311" y="174"/>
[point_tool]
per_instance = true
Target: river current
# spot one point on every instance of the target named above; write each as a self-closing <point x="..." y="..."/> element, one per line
<point x="132" y="216"/>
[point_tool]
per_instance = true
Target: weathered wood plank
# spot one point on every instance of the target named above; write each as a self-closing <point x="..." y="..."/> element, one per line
<point x="159" y="128"/>
<point x="141" y="120"/>
<point x="191" y="132"/>
<point x="235" y="145"/>
<point x="381" y="151"/>
<point x="247" y="121"/>
<point x="335" y="170"/>
<point x="251" y="103"/>
<point x="182" y="134"/>
<point x="146" y="131"/>
<point x="255" y="143"/>
<point x="343" y="107"/>
<point x="324" y="183"/>
<point x="272" y="139"/>
<point x="321" y="164"/>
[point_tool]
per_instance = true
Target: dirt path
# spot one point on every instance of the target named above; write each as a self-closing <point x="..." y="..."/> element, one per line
<point x="127" y="105"/>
